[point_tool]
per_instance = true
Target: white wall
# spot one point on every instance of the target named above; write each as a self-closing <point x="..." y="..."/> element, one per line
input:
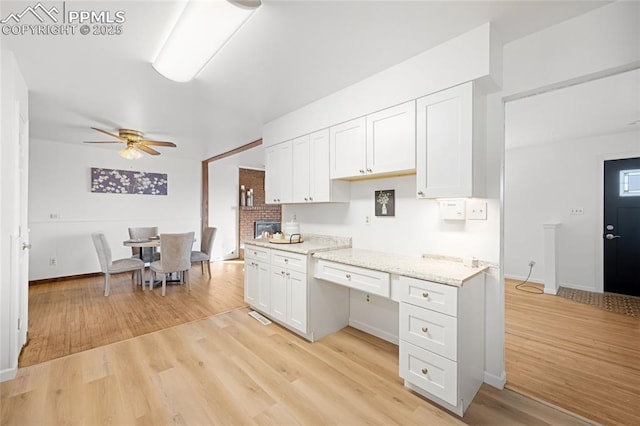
<point x="415" y="229"/>
<point x="223" y="208"/>
<point x="59" y="183"/>
<point x="534" y="195"/>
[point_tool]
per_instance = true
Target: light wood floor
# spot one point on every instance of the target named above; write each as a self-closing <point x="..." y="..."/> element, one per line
<point x="575" y="356"/>
<point x="72" y="316"/>
<point x="229" y="369"/>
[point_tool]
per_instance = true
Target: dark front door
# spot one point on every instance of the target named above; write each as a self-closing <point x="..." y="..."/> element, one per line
<point x="622" y="226"/>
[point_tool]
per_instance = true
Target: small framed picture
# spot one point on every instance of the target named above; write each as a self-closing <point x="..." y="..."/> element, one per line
<point x="385" y="202"/>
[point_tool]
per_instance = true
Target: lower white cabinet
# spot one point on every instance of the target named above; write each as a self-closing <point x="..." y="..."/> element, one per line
<point x="288" y="285"/>
<point x="256" y="278"/>
<point x="280" y="285"/>
<point x="442" y="340"/>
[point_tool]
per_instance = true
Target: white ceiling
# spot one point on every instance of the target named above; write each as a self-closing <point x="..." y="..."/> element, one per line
<point x="289" y="54"/>
<point x="599" y="107"/>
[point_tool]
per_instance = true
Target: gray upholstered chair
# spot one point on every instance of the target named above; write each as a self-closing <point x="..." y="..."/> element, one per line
<point x="176" y="257"/>
<point x="141" y="233"/>
<point x="109" y="266"/>
<point x="206" y="244"/>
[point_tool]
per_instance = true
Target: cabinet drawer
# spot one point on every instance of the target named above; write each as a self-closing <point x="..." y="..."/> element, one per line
<point x="426" y="294"/>
<point x="431" y="372"/>
<point x="429" y="330"/>
<point x="367" y="280"/>
<point x="256" y="253"/>
<point x="288" y="260"/>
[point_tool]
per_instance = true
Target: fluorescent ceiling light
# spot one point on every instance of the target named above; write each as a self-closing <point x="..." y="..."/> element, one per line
<point x="204" y="27"/>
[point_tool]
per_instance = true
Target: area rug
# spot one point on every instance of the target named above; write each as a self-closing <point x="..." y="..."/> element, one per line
<point x="626" y="305"/>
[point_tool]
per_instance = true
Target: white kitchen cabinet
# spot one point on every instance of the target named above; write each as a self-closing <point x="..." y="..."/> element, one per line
<point x="363" y="279"/>
<point x="348" y="149"/>
<point x="442" y="340"/>
<point x="391" y="140"/>
<point x="278" y="173"/>
<point x="450" y="154"/>
<point x="382" y="143"/>
<point x="289" y="288"/>
<point x="280" y="285"/>
<point x="257" y="290"/>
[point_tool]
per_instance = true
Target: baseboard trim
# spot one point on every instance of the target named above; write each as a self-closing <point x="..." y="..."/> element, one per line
<point x="8" y="374"/>
<point x="497" y="382"/>
<point x="384" y="335"/>
<point x="68" y="277"/>
<point x="519" y="278"/>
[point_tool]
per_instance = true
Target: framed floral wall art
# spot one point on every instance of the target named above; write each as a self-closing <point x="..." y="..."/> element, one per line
<point x="128" y="182"/>
<point x="385" y="202"/>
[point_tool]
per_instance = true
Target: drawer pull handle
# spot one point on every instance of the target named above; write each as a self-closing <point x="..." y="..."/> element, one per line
<point x="425" y="371"/>
<point x="425" y="329"/>
<point x="348" y="276"/>
<point x="255" y="253"/>
<point x="425" y="295"/>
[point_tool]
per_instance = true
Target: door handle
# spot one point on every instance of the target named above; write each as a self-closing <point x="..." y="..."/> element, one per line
<point x="611" y="236"/>
<point x="26" y="246"/>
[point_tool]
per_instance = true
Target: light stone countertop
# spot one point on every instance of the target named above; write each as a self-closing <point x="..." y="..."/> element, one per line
<point x="440" y="269"/>
<point x="312" y="243"/>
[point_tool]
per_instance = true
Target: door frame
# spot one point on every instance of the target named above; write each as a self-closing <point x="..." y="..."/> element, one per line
<point x="599" y="260"/>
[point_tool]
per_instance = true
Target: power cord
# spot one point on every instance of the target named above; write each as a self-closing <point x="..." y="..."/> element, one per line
<point x="527" y="288"/>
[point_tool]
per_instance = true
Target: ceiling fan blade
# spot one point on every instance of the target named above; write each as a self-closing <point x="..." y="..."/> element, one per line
<point x="158" y="143"/>
<point x="110" y="134"/>
<point x="102" y="142"/>
<point x="146" y="149"/>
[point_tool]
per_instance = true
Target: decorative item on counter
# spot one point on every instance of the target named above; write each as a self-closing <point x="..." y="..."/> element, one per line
<point x="278" y="236"/>
<point x="291" y="229"/>
<point x="243" y="196"/>
<point x="385" y="202"/>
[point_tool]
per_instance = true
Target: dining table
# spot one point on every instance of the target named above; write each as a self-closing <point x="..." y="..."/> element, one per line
<point x="153" y="242"/>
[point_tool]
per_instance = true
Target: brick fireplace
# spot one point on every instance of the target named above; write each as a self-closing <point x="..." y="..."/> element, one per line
<point x="254" y="179"/>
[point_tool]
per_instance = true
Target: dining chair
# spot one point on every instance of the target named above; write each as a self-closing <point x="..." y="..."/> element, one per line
<point x="176" y="257"/>
<point x="109" y="266"/>
<point x="141" y="233"/>
<point x="206" y="244"/>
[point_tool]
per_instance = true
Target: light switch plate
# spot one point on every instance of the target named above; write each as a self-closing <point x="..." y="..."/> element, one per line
<point x="477" y="210"/>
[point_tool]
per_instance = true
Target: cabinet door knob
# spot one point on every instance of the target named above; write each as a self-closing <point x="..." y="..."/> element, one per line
<point x="425" y="371"/>
<point x="420" y="193"/>
<point x="348" y="276"/>
<point x="306" y="199"/>
<point x="282" y="273"/>
<point x="369" y="171"/>
<point x="274" y="200"/>
<point x="310" y="198"/>
<point x="288" y="274"/>
<point x="425" y="295"/>
<point x="425" y="329"/>
<point x="361" y="171"/>
<point x="286" y="261"/>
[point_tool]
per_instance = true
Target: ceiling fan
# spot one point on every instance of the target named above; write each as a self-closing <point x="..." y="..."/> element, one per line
<point x="135" y="143"/>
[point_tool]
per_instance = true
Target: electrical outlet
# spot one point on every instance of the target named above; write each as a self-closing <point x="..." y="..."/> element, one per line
<point x="532" y="263"/>
<point x="368" y="298"/>
<point x="576" y="210"/>
<point x="295" y="218"/>
<point x="52" y="262"/>
<point x="367" y="220"/>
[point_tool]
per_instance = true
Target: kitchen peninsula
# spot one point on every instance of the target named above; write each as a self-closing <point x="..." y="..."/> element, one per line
<point x="305" y="287"/>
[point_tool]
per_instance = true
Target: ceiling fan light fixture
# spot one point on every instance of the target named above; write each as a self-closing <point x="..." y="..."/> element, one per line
<point x="203" y="28"/>
<point x="130" y="153"/>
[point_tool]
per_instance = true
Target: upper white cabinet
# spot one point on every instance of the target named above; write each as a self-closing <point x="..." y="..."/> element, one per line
<point x="348" y="149"/>
<point x="391" y="139"/>
<point x="311" y="183"/>
<point x="380" y="143"/>
<point x="446" y="165"/>
<point x="278" y="185"/>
